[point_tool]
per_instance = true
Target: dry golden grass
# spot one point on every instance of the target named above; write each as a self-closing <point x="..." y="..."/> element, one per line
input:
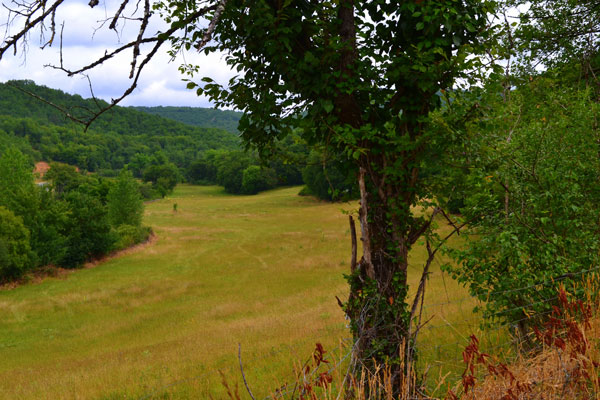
<point x="260" y="270"/>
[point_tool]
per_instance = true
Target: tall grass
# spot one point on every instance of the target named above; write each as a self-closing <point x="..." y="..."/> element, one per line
<point x="161" y="322"/>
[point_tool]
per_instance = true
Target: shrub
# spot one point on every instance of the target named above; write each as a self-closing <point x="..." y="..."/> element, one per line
<point x="129" y="235"/>
<point x="256" y="179"/>
<point x="148" y="192"/>
<point x="15" y="251"/>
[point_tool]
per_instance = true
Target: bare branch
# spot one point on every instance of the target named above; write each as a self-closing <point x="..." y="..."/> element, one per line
<point x="213" y="24"/>
<point x="29" y="25"/>
<point x="28" y="10"/>
<point x="113" y="24"/>
<point x="136" y="46"/>
<point x="52" y="30"/>
<point x="354" y="244"/>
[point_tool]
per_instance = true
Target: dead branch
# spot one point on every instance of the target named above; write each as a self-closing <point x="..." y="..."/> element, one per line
<point x="28" y="10"/>
<point x="242" y="369"/>
<point x="136" y="45"/>
<point x="354" y="244"/>
<point x="113" y="24"/>
<point x="364" y="225"/>
<point x="29" y="24"/>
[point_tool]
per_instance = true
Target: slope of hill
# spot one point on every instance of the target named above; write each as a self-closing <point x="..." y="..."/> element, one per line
<point x="120" y="136"/>
<point x="197" y="116"/>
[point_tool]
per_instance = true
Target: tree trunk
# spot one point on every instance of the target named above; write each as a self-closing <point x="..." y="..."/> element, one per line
<point x="380" y="317"/>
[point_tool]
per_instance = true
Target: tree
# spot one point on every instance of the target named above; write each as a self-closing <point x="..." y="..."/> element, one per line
<point x="328" y="179"/>
<point x="559" y="32"/>
<point x="125" y="205"/>
<point x="533" y="200"/>
<point x="15" y="251"/>
<point x="64" y="178"/>
<point x="164" y="177"/>
<point x="359" y="77"/>
<point x="89" y="233"/>
<point x="17" y="188"/>
<point x="256" y="179"/>
<point x="230" y="170"/>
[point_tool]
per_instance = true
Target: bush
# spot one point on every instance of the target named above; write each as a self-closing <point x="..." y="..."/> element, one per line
<point x="256" y="179"/>
<point x="148" y="192"/>
<point x="15" y="251"/>
<point x="532" y="203"/>
<point x="129" y="235"/>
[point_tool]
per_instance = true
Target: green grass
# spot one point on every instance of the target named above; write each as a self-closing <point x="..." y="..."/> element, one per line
<point x="260" y="270"/>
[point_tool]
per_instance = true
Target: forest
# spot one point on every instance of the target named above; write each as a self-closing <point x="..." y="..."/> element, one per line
<point x="48" y="224"/>
<point x="462" y="138"/>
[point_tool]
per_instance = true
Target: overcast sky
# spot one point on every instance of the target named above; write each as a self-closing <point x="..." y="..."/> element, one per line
<point x="160" y="83"/>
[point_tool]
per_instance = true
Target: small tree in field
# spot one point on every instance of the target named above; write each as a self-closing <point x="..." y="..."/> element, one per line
<point x="124" y="202"/>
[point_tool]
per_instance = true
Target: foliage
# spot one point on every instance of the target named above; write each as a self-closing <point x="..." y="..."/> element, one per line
<point x="66" y="222"/>
<point x="90" y="235"/>
<point x="197" y="116"/>
<point x="52" y="233"/>
<point x="164" y="177"/>
<point x="227" y="168"/>
<point x="122" y="136"/>
<point x="64" y="178"/>
<point x="15" y="251"/>
<point x="124" y="202"/>
<point x="17" y="189"/>
<point x="230" y="170"/>
<point x="128" y="235"/>
<point x="558" y="32"/>
<point x="256" y="179"/>
<point x="534" y="197"/>
<point x="329" y="179"/>
<point x="359" y="78"/>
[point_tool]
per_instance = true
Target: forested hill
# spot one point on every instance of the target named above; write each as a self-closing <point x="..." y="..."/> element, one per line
<point x="121" y="136"/>
<point x="197" y="116"/>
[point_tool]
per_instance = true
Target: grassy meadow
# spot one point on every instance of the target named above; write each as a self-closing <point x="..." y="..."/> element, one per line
<point x="158" y="322"/>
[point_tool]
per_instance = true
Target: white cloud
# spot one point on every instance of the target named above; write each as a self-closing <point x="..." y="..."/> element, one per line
<point x="160" y="83"/>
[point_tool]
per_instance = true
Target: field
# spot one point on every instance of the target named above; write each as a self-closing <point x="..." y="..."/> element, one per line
<point x="160" y="321"/>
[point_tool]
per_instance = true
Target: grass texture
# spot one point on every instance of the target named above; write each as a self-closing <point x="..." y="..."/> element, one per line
<point x="160" y="321"/>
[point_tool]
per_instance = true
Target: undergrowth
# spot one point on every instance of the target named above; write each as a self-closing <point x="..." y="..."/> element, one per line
<point x="563" y="364"/>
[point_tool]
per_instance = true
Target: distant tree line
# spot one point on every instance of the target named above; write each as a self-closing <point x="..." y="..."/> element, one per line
<point x="72" y="219"/>
<point x="113" y="141"/>
<point x="159" y="151"/>
<point x="292" y="163"/>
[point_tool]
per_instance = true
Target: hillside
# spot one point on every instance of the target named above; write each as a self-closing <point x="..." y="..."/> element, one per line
<point x="197" y="116"/>
<point x="120" y="136"/>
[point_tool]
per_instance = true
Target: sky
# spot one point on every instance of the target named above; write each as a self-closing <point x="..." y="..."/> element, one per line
<point x="160" y="84"/>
